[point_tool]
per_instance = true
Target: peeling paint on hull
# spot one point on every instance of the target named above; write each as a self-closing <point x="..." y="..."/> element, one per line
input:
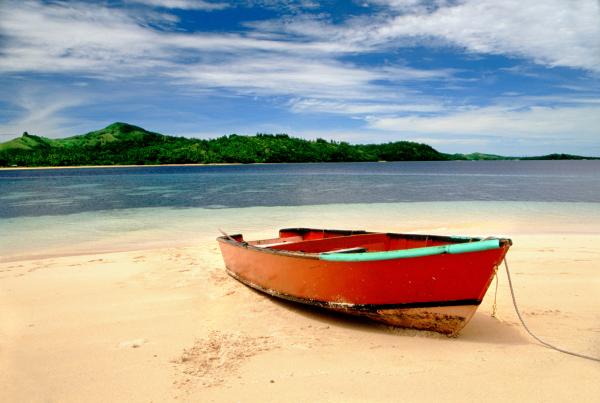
<point x="448" y="320"/>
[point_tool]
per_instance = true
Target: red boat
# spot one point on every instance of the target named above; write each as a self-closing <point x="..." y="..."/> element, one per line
<point x="423" y="282"/>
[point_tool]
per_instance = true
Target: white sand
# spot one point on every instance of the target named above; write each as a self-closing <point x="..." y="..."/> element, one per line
<point x="165" y="324"/>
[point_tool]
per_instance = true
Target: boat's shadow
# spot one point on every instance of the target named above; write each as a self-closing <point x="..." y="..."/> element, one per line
<point x="481" y="329"/>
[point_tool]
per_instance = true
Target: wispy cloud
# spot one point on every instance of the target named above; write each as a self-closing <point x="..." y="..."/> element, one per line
<point x="361" y="109"/>
<point x="276" y="75"/>
<point x="67" y="38"/>
<point x="535" y="122"/>
<point x="111" y="43"/>
<point x="41" y="112"/>
<point x="548" y="32"/>
<point x="184" y="4"/>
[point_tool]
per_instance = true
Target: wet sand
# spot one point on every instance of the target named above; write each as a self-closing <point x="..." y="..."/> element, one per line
<point x="167" y="324"/>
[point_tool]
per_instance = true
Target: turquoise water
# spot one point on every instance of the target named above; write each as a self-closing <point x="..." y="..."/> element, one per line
<point x="143" y="228"/>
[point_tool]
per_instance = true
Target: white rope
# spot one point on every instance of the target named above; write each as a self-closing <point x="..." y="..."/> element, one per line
<point x="512" y="293"/>
<point x="495" y="305"/>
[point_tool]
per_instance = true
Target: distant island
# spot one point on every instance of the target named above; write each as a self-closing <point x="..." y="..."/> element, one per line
<point x="125" y="144"/>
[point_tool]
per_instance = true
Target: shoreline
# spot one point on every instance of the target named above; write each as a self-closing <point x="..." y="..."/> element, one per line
<point x="213" y="164"/>
<point x="275" y="163"/>
<point x="120" y="166"/>
<point x="106" y="231"/>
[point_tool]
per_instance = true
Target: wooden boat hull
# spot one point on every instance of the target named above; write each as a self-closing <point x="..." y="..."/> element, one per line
<point x="439" y="292"/>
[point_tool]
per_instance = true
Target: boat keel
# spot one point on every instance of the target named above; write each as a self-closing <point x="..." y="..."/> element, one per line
<point x="448" y="320"/>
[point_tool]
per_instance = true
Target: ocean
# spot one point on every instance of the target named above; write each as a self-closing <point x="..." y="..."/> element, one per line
<point x="26" y="193"/>
<point x="56" y="211"/>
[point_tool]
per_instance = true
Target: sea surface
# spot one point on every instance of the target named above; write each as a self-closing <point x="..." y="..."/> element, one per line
<point x="58" y="211"/>
<point x="68" y="191"/>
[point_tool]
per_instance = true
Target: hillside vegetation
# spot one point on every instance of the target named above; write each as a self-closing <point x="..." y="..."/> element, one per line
<point x="125" y="144"/>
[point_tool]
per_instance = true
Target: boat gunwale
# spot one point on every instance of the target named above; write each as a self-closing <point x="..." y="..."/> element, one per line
<point x="502" y="242"/>
<point x="272" y="251"/>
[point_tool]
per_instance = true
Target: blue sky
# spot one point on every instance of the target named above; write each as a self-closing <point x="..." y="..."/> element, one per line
<point x="507" y="77"/>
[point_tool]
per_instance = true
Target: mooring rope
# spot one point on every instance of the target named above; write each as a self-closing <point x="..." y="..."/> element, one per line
<point x="495" y="305"/>
<point x="512" y="293"/>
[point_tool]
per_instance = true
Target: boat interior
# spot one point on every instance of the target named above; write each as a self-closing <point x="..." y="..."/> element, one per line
<point x="308" y="240"/>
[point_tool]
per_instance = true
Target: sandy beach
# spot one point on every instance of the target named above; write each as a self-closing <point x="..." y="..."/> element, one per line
<point x="161" y="321"/>
<point x="19" y="168"/>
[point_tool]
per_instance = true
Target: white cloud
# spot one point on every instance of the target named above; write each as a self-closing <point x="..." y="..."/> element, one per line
<point x="108" y="43"/>
<point x="397" y="73"/>
<point x="41" y="112"/>
<point x="184" y="4"/>
<point x="543" y="123"/>
<point x="310" y="79"/>
<point x="73" y="38"/>
<point x="220" y="43"/>
<point x="275" y="75"/>
<point x="358" y="108"/>
<point x="550" y="32"/>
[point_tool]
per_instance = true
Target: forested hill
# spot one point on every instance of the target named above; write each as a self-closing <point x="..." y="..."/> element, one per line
<point x="125" y="144"/>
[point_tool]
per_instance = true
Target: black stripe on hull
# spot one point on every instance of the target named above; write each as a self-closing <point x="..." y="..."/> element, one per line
<point x="358" y="308"/>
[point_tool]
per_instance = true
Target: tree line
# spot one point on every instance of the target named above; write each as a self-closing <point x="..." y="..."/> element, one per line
<point x="123" y="146"/>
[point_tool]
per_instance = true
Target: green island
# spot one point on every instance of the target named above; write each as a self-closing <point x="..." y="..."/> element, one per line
<point x="125" y="144"/>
